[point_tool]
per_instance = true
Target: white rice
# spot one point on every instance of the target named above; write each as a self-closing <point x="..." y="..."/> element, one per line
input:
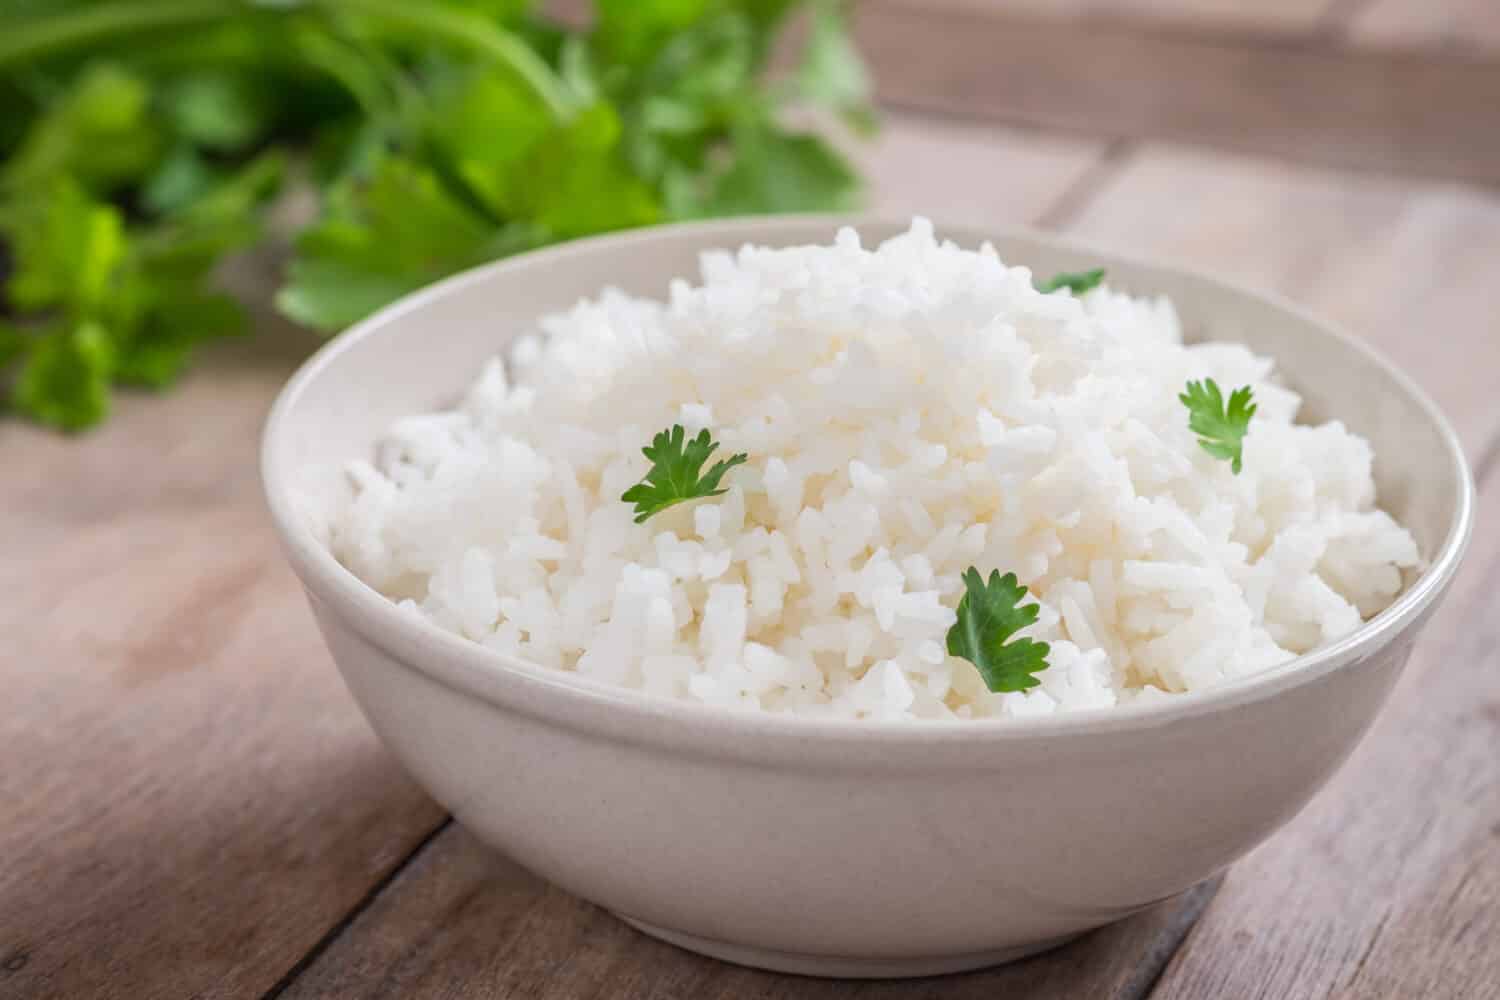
<point x="908" y="412"/>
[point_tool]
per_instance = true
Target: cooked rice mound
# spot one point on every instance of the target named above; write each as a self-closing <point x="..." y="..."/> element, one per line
<point x="908" y="411"/>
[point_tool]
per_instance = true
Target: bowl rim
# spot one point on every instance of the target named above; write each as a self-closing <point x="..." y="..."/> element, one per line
<point x="560" y="696"/>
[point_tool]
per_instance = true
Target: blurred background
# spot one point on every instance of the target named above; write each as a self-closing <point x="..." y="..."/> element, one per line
<point x="195" y="193"/>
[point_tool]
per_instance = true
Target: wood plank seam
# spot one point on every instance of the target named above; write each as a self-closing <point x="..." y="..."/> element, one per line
<point x="1330" y="37"/>
<point x="1153" y="964"/>
<point x="1366" y="109"/>
<point x="1484" y="465"/>
<point x="1364" y="959"/>
<point x="1338" y="17"/>
<point x="343" y="923"/>
<point x="1078" y="195"/>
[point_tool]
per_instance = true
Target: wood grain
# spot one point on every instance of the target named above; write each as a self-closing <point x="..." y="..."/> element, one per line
<point x="464" y="922"/>
<point x="1355" y="107"/>
<point x="190" y="797"/>
<point x="1291" y="17"/>
<point x="1436" y="25"/>
<point x="1408" y="265"/>
<point x="1388" y="884"/>
<point x="973" y="171"/>
<point x="1431" y="25"/>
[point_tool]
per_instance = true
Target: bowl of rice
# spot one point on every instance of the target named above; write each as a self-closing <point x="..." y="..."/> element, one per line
<point x="850" y="597"/>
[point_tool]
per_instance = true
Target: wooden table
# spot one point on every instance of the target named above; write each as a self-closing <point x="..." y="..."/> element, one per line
<point x="191" y="805"/>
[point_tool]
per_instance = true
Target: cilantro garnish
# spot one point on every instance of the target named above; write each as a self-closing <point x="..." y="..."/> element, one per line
<point x="1076" y="282"/>
<point x="988" y="615"/>
<point x="1221" y="430"/>
<point x="676" y="472"/>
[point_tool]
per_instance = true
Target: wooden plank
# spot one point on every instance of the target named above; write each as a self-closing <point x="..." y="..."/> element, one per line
<point x="1386" y="885"/>
<point x="464" y="922"/>
<point x="190" y="797"/>
<point x="1291" y="17"/>
<point x="1409" y="265"/>
<point x="1426" y="24"/>
<point x="1279" y="16"/>
<point x="969" y="170"/>
<point x="1367" y="109"/>
<point x="1472" y="25"/>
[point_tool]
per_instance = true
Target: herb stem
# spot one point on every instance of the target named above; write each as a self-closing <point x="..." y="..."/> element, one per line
<point x="473" y="32"/>
<point x="44" y="35"/>
<point x="36" y="37"/>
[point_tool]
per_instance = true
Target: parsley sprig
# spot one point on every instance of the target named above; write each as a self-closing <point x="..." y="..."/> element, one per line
<point x="1221" y="428"/>
<point x="1076" y="282"/>
<point x="677" y="473"/>
<point x="988" y="615"/>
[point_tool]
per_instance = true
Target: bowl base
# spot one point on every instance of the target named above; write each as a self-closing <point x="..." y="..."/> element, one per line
<point x="839" y="966"/>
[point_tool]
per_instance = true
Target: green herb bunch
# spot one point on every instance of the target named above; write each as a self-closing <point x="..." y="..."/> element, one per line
<point x="143" y="140"/>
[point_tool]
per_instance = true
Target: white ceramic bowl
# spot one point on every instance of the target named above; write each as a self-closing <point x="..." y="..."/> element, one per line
<point x="828" y="847"/>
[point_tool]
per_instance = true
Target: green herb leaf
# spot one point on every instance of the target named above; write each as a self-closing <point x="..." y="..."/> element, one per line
<point x="503" y="11"/>
<point x="765" y="13"/>
<point x="832" y="73"/>
<point x="222" y="111"/>
<point x="988" y="615"/>
<point x="182" y="177"/>
<point x="482" y="127"/>
<point x="348" y="150"/>
<point x="677" y="472"/>
<point x="777" y="171"/>
<point x="574" y="182"/>
<point x="1221" y="429"/>
<point x="631" y="30"/>
<point x="157" y="351"/>
<point x="577" y="70"/>
<point x="710" y="67"/>
<point x="1076" y="282"/>
<point x="379" y="241"/>
<point x="64" y="381"/>
<point x="69" y="250"/>
<point x="678" y="111"/>
<point x="13" y="344"/>
<point x="233" y="197"/>
<point x="118" y="303"/>
<point x="101" y="134"/>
